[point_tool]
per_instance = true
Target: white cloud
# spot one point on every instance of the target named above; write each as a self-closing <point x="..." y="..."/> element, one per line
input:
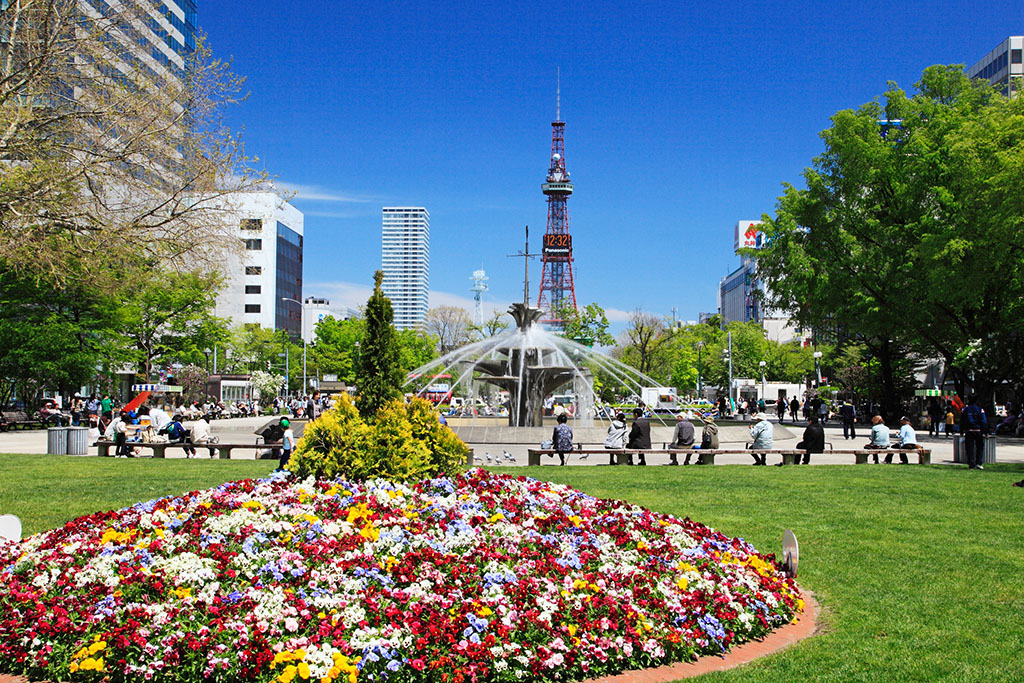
<point x="616" y="316"/>
<point x="315" y="193"/>
<point x="354" y="295"/>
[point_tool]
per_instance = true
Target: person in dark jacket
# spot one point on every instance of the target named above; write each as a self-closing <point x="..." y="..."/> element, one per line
<point x="813" y="441"/>
<point x="974" y="426"/>
<point x="639" y="435"/>
<point x="849" y="416"/>
<point x="561" y="437"/>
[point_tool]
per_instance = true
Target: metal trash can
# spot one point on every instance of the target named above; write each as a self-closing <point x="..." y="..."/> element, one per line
<point x="57" y="440"/>
<point x="77" y="440"/>
<point x="988" y="453"/>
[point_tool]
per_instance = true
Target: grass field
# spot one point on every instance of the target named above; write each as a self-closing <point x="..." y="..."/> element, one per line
<point x="920" y="570"/>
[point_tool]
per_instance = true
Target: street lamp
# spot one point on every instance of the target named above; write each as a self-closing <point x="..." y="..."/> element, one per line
<point x="762" y="364"/>
<point x="207" y="352"/>
<point x="817" y="365"/>
<point x="700" y="347"/>
<point x="302" y="331"/>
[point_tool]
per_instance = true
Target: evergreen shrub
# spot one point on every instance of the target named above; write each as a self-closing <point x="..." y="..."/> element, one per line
<point x="403" y="443"/>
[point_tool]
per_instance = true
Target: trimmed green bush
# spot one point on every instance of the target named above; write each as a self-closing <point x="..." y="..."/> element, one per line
<point x="404" y="443"/>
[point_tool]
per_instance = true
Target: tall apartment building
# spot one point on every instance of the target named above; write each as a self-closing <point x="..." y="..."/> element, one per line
<point x="405" y="260"/>
<point x="1002" y="65"/>
<point x="267" y="269"/>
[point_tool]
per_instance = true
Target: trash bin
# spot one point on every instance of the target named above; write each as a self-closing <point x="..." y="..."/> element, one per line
<point x="57" y="440"/>
<point x="77" y="440"/>
<point x="988" y="452"/>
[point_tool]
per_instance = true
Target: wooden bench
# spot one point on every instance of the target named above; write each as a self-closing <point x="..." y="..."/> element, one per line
<point x="19" y="418"/>
<point x="706" y="456"/>
<point x="159" y="448"/>
<point x="861" y="455"/>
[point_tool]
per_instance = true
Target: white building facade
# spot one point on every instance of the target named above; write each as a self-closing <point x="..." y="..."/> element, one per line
<point x="1002" y="65"/>
<point x="266" y="270"/>
<point x="316" y="309"/>
<point x="405" y="260"/>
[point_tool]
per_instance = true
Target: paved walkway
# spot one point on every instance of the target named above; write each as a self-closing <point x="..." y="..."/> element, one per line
<point x="1007" y="449"/>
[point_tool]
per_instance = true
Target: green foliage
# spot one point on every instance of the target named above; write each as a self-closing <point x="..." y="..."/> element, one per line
<point x="404" y="443"/>
<point x="587" y="325"/>
<point x="380" y="376"/>
<point x="906" y="236"/>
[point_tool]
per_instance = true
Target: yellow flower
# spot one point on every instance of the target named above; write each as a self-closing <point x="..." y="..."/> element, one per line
<point x="576" y="520"/>
<point x="640" y="545"/>
<point x="304" y="671"/>
<point x="485" y="612"/>
<point x="370" y="533"/>
<point x="97" y="646"/>
<point x="495" y="517"/>
<point x="683" y="584"/>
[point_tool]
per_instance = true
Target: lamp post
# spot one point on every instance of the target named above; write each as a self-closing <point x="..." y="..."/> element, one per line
<point x="356" y="371"/>
<point x="817" y="366"/>
<point x="700" y="347"/>
<point x="302" y="332"/>
<point x="206" y="352"/>
<point x="762" y="364"/>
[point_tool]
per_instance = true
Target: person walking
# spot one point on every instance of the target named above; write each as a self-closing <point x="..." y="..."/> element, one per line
<point x="935" y="417"/>
<point x="561" y="437"/>
<point x="312" y="406"/>
<point x="287" y="444"/>
<point x="639" y="435"/>
<point x="794" y="408"/>
<point x="950" y="421"/>
<point x="848" y="414"/>
<point x="780" y="409"/>
<point x="974" y="426"/>
<point x="106" y="405"/>
<point x="118" y="429"/>
<point x="879" y="436"/>
<point x="763" y="434"/>
<point x="615" y="440"/>
<point x="813" y="440"/>
<point x="682" y="438"/>
<point x="823" y="411"/>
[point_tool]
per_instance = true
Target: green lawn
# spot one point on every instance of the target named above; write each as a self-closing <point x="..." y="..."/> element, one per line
<point x="920" y="570"/>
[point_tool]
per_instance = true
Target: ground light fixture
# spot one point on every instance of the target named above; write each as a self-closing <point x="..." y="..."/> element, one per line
<point x="790" y="552"/>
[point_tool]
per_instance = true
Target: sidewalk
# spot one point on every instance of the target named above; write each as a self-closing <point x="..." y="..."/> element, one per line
<point x="1007" y="449"/>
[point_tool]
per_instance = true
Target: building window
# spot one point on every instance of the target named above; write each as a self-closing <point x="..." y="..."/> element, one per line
<point x="252" y="308"/>
<point x="254" y="270"/>
<point x="252" y="224"/>
<point x="253" y="245"/>
<point x="254" y="289"/>
<point x="1016" y="56"/>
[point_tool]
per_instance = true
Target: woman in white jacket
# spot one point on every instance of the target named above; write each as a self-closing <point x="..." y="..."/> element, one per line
<point x="616" y="438"/>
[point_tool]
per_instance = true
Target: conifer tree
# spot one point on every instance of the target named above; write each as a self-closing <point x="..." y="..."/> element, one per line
<point x="380" y="373"/>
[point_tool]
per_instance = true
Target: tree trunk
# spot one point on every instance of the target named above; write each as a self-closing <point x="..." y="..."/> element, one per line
<point x="890" y="400"/>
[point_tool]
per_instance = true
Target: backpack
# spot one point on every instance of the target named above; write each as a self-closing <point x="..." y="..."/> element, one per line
<point x="175" y="431"/>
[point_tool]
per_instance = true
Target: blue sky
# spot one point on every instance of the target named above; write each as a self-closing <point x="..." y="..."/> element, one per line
<point x="680" y="120"/>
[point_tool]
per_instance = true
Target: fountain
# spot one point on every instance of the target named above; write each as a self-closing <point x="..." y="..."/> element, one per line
<point x="526" y="372"/>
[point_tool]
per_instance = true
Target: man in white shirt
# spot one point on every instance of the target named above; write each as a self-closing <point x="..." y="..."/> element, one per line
<point x="201" y="434"/>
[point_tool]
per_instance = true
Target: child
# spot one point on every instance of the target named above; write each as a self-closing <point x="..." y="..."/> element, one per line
<point x="950" y="424"/>
<point x="288" y="443"/>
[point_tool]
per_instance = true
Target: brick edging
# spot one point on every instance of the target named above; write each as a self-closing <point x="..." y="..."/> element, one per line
<point x="777" y="640"/>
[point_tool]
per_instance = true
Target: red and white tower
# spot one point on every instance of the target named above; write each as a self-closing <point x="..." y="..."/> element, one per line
<point x="557" y="291"/>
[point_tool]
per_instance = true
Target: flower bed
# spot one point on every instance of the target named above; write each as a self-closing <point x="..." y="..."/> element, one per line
<point x="481" y="577"/>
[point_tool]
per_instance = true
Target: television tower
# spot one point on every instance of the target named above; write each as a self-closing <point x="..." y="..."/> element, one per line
<point x="479" y="278"/>
<point x="557" y="290"/>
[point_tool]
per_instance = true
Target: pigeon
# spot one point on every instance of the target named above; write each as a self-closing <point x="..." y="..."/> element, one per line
<point x="488" y="457"/>
<point x="584" y="456"/>
<point x="508" y="456"/>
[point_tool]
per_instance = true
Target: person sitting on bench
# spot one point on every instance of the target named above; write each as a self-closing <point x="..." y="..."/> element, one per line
<point x="813" y="441"/>
<point x="908" y="439"/>
<point x="639" y="435"/>
<point x="682" y="438"/>
<point x="879" y="437"/>
<point x="763" y="435"/>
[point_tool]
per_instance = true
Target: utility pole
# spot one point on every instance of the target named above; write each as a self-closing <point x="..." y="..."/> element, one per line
<point x="526" y="256"/>
<point x="730" y="370"/>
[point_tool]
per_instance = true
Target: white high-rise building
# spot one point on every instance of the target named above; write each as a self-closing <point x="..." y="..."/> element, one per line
<point x="267" y="269"/>
<point x="405" y="260"/>
<point x="316" y="309"/>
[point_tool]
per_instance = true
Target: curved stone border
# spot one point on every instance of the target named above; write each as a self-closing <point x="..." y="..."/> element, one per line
<point x="777" y="640"/>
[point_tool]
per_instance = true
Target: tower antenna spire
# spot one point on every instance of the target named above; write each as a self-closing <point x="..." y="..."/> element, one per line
<point x="558" y="93"/>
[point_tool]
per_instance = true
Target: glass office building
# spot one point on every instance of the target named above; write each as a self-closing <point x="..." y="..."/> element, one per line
<point x="405" y="260"/>
<point x="1002" y="66"/>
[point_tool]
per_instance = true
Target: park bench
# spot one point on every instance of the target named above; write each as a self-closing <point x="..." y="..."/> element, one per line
<point x="706" y="456"/>
<point x="159" y="448"/>
<point x="19" y="418"/>
<point x="861" y="455"/>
